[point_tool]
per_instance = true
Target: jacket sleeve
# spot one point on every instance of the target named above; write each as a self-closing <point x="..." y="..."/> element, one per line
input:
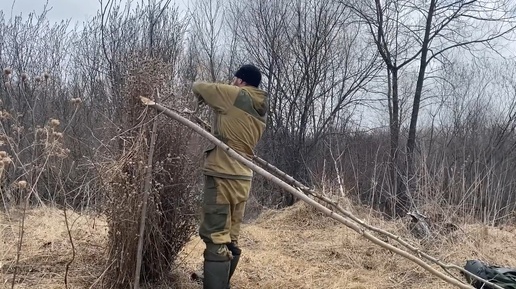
<point x="219" y="96"/>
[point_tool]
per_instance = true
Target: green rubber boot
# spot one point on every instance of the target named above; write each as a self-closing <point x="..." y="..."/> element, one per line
<point x="216" y="271"/>
<point x="232" y="267"/>
<point x="235" y="251"/>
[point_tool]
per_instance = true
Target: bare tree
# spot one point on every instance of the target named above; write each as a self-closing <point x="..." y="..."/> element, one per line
<point x="211" y="40"/>
<point x="315" y="65"/>
<point x="405" y="32"/>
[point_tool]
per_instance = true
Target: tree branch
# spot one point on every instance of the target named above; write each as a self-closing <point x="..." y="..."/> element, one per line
<point x="461" y="44"/>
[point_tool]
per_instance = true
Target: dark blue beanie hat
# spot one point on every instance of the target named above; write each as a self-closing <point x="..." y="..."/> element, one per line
<point x="250" y="74"/>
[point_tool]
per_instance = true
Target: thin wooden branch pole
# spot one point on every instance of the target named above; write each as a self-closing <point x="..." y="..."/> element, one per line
<point x="301" y="195"/>
<point x="293" y="182"/>
<point x="145" y="201"/>
<point x="296" y="184"/>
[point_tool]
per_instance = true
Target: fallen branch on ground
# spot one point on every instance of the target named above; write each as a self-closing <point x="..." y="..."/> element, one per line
<point x="302" y="192"/>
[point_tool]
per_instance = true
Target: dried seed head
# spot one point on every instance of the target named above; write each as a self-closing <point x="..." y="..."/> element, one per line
<point x="4" y="114"/>
<point x="63" y="153"/>
<point x="58" y="135"/>
<point x="7" y="160"/>
<point x="24" y="76"/>
<point x="40" y="130"/>
<point x="7" y="84"/>
<point x="7" y="71"/>
<point x="22" y="184"/>
<point x="3" y="154"/>
<point x="54" y="122"/>
<point x="76" y="100"/>
<point x="46" y="75"/>
<point x="37" y="78"/>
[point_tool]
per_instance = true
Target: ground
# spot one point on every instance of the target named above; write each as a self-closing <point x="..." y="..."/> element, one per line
<point x="292" y="248"/>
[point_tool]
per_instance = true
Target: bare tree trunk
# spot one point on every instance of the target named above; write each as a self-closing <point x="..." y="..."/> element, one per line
<point x="394" y="120"/>
<point x="411" y="142"/>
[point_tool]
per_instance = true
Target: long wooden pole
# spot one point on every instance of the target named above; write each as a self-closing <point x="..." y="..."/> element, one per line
<point x="299" y="194"/>
<point x="146" y="193"/>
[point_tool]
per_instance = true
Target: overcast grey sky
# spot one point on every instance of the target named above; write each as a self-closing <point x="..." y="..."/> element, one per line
<point x="76" y="10"/>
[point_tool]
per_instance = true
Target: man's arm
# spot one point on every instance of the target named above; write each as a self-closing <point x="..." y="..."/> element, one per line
<point x="219" y="96"/>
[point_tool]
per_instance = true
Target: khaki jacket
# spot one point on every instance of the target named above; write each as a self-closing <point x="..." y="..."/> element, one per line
<point x="239" y="121"/>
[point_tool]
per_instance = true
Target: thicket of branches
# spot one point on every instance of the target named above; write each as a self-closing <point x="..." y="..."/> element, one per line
<point x="412" y="103"/>
<point x="325" y="63"/>
<point x="75" y="133"/>
<point x="341" y="76"/>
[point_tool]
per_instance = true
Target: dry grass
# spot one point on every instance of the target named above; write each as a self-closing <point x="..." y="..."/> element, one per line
<point x="46" y="249"/>
<point x="292" y="248"/>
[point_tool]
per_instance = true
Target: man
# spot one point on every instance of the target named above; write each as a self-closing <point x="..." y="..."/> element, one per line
<point x="239" y="121"/>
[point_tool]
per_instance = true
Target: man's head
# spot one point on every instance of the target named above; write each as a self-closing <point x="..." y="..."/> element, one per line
<point x="247" y="74"/>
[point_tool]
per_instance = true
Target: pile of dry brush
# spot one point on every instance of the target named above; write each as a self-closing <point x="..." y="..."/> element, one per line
<point x="172" y="203"/>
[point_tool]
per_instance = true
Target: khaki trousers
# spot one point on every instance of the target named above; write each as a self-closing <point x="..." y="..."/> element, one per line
<point x="223" y="210"/>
